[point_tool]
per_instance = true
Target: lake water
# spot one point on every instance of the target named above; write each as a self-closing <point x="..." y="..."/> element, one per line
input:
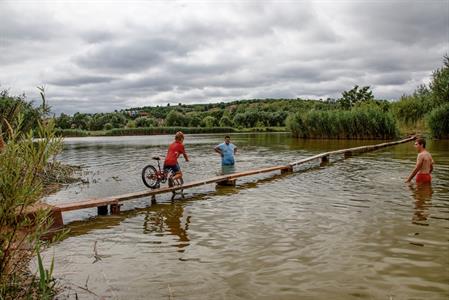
<point x="348" y="230"/>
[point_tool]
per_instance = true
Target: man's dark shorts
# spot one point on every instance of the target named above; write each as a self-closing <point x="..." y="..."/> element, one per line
<point x="175" y="169"/>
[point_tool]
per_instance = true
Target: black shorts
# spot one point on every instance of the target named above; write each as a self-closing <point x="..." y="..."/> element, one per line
<point x="175" y="169"/>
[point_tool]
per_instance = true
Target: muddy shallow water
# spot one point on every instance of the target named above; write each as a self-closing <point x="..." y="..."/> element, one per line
<point x="348" y="230"/>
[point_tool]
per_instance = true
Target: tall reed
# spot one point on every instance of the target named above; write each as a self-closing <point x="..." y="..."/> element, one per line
<point x="358" y="123"/>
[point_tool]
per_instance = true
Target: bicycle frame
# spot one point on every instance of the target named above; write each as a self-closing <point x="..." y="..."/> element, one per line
<point x="162" y="174"/>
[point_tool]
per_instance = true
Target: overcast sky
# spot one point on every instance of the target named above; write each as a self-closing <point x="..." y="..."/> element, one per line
<point x="98" y="56"/>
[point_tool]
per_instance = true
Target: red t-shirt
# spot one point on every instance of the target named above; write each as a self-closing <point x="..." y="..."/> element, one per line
<point x="174" y="151"/>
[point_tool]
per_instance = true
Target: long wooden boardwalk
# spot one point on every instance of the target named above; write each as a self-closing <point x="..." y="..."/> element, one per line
<point x="114" y="202"/>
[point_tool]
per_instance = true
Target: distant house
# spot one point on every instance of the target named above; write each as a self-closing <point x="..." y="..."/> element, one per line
<point x="132" y="113"/>
<point x="143" y="113"/>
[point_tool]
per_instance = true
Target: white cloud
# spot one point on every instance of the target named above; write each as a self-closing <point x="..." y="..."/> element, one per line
<point x="106" y="55"/>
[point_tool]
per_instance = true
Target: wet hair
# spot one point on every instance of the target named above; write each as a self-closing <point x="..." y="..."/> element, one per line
<point x="179" y="136"/>
<point x="227" y="137"/>
<point x="421" y="141"/>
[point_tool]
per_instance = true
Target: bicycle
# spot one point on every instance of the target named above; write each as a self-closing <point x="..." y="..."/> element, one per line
<point x="153" y="177"/>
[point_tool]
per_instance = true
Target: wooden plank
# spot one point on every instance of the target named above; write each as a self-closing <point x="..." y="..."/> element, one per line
<point x="95" y="202"/>
<point x="355" y="149"/>
<point x="114" y="200"/>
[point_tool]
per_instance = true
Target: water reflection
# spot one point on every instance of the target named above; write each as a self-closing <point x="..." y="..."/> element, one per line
<point x="422" y="193"/>
<point x="168" y="219"/>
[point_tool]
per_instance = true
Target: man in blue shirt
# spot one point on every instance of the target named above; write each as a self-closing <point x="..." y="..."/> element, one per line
<point x="227" y="150"/>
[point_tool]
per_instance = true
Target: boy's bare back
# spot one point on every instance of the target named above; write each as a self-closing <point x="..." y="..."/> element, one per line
<point x="425" y="161"/>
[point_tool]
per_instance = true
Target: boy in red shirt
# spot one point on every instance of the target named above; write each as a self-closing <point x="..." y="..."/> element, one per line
<point x="174" y="151"/>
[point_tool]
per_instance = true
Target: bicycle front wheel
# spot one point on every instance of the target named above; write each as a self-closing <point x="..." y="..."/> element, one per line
<point x="149" y="177"/>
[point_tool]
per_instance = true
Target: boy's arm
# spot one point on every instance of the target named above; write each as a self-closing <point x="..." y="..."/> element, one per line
<point x="218" y="150"/>
<point x="418" y="167"/>
<point x="185" y="156"/>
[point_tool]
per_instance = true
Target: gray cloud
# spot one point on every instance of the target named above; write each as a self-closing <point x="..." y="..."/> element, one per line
<point x="80" y="80"/>
<point x="111" y="56"/>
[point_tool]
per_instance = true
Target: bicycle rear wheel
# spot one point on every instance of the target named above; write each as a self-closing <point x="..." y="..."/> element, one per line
<point x="149" y="177"/>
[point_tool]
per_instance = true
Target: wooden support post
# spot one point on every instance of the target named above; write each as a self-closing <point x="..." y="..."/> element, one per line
<point x="115" y="208"/>
<point x="325" y="159"/>
<point x="58" y="222"/>
<point x="288" y="169"/>
<point x="347" y="154"/>
<point x="153" y="199"/>
<point x="227" y="182"/>
<point x="102" y="210"/>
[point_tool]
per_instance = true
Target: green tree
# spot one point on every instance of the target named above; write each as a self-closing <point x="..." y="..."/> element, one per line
<point x="131" y="124"/>
<point x="12" y="106"/>
<point x="194" y="119"/>
<point x="118" y="120"/>
<point x="175" y="118"/>
<point x="209" y="122"/>
<point x="63" y="121"/>
<point x="107" y="126"/>
<point x="145" y="122"/>
<point x="80" y="120"/>
<point x="439" y="85"/>
<point x="354" y="96"/>
<point x="225" y="121"/>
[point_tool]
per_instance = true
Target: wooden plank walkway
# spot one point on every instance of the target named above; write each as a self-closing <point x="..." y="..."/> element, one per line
<point x="230" y="179"/>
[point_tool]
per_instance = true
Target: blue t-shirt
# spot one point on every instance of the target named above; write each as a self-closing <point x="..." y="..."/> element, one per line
<point x="228" y="153"/>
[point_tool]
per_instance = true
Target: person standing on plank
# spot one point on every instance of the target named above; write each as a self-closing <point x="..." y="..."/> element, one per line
<point x="174" y="151"/>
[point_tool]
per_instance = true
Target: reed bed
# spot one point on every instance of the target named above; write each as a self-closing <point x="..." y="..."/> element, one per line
<point x="358" y="123"/>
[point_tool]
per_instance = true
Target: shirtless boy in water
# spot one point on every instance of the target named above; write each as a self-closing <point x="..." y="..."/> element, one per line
<point x="424" y="163"/>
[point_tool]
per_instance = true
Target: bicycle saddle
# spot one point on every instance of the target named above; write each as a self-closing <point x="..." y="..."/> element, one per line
<point x="156" y="158"/>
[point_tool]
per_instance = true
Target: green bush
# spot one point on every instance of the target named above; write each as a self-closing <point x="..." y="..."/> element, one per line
<point x="438" y="121"/>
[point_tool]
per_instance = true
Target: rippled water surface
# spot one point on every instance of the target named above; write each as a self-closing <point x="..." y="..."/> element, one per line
<point x="348" y="230"/>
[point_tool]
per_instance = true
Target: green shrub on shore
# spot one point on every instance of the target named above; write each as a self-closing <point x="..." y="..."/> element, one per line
<point x="358" y="123"/>
<point x="166" y="130"/>
<point x="438" y="121"/>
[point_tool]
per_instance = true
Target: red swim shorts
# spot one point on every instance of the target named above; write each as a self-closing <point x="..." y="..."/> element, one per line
<point x="423" y="178"/>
